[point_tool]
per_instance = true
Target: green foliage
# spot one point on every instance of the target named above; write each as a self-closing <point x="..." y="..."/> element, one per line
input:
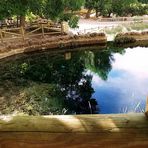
<point x="19" y="7"/>
<point x="43" y="99"/>
<point x="62" y="10"/>
<point x="143" y="1"/>
<point x="118" y="7"/>
<point x="52" y="9"/>
<point x="73" y="22"/>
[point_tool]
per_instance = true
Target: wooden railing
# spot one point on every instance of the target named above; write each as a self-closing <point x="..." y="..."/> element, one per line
<point x="21" y="32"/>
<point x="114" y="130"/>
<point x="124" y="130"/>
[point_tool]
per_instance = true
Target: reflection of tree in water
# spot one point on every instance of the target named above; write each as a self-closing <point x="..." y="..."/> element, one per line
<point x="99" y="62"/>
<point x="69" y="76"/>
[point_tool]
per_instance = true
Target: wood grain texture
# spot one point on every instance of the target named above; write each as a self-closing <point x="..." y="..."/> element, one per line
<point x="130" y="130"/>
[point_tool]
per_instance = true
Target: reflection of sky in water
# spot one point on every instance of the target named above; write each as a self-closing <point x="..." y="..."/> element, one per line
<point x="127" y="86"/>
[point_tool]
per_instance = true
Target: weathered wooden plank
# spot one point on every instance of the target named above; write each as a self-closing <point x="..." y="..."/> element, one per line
<point x="11" y="33"/>
<point x="43" y="33"/>
<point x="33" y="31"/>
<point x="78" y="140"/>
<point x="127" y="130"/>
<point x="1" y="35"/>
<point x="23" y="33"/>
<point x="11" y="29"/>
<point x="74" y="124"/>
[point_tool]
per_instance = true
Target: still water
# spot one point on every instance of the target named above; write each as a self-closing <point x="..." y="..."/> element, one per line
<point x="126" y="89"/>
<point x="110" y="80"/>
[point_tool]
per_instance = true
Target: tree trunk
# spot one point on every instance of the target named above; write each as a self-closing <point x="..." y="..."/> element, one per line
<point x="88" y="14"/>
<point x="22" y="21"/>
<point x="109" y="14"/>
<point x="17" y="21"/>
<point x="97" y="13"/>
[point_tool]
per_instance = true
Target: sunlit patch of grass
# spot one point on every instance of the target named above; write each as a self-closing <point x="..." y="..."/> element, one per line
<point x="113" y="30"/>
<point x="33" y="99"/>
<point x="136" y="26"/>
<point x="139" y="26"/>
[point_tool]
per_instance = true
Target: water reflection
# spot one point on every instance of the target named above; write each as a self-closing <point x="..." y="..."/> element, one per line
<point x="126" y="88"/>
<point x="66" y="78"/>
<point x="115" y="77"/>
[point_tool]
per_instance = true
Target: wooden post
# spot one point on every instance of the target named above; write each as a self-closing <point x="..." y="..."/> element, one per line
<point x="43" y="33"/>
<point x="62" y="28"/>
<point x="146" y="109"/>
<point x="67" y="55"/>
<point x="1" y="35"/>
<point x="23" y="33"/>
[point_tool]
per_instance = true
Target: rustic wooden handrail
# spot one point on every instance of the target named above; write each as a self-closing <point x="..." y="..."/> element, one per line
<point x="22" y="33"/>
<point x="125" y="130"/>
<point x="1" y="35"/>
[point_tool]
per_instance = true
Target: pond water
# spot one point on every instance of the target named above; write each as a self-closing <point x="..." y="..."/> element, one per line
<point x="126" y="89"/>
<point x="109" y="80"/>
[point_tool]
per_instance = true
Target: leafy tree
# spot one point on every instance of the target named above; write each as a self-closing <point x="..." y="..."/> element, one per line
<point x="103" y="7"/>
<point x="118" y="7"/>
<point x="62" y="10"/>
<point x="89" y="4"/>
<point x="20" y="8"/>
<point x="54" y="9"/>
<point x="143" y="1"/>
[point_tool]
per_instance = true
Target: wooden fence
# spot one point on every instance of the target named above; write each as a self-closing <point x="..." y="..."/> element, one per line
<point x="23" y="33"/>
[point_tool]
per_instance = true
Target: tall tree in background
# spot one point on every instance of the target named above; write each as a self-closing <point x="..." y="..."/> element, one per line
<point x="118" y="7"/>
<point x="143" y="1"/>
<point x="53" y="9"/>
<point x="62" y="10"/>
<point x="19" y="8"/>
<point x="89" y="4"/>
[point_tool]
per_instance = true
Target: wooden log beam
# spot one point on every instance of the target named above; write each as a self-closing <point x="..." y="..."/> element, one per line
<point x="11" y="33"/>
<point x="42" y="26"/>
<point x="23" y="33"/>
<point x="31" y="32"/>
<point x="1" y="35"/>
<point x="127" y="130"/>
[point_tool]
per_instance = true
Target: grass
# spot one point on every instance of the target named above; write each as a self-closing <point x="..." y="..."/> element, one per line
<point x="136" y="26"/>
<point x="113" y="30"/>
<point x="32" y="99"/>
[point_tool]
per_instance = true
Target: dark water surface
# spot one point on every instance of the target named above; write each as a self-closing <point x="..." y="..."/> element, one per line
<point x="116" y="78"/>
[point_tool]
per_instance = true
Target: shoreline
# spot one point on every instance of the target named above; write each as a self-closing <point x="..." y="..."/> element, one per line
<point x="57" y="42"/>
<point x="129" y="39"/>
<point x="139" y="38"/>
